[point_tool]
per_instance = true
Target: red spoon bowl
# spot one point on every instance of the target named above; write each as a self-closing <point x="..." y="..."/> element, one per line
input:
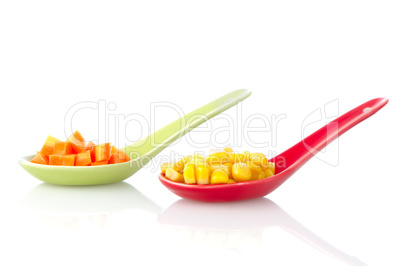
<point x="286" y="163"/>
<point x="226" y="192"/>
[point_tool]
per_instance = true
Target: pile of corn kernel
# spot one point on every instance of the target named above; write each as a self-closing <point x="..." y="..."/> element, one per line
<point x="220" y="167"/>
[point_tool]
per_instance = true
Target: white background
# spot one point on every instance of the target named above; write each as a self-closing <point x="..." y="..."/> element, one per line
<point x="295" y="56"/>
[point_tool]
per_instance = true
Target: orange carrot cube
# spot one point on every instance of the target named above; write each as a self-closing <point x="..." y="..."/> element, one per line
<point x="113" y="150"/>
<point x="114" y="158"/>
<point x="103" y="152"/>
<point x="118" y="157"/>
<point x="55" y="159"/>
<point x="123" y="155"/>
<point x="77" y="142"/>
<point x="68" y="160"/>
<point x="63" y="148"/>
<point x="48" y="146"/>
<point x="99" y="163"/>
<point x="83" y="158"/>
<point x="90" y="147"/>
<point x="40" y="159"/>
<point x="126" y="157"/>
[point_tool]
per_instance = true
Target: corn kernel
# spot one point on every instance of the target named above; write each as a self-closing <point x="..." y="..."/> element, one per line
<point x="241" y="172"/>
<point x="261" y="175"/>
<point x="198" y="159"/>
<point x="228" y="150"/>
<point x="189" y="173"/>
<point x="174" y="175"/>
<point x="202" y="174"/>
<point x="219" y="176"/>
<point x="268" y="173"/>
<point x="236" y="158"/>
<point x="177" y="166"/>
<point x="229" y="165"/>
<point x="198" y="162"/>
<point x="258" y="158"/>
<point x="246" y="156"/>
<point x="270" y="166"/>
<point x="164" y="166"/>
<point x="231" y="181"/>
<point x="218" y="158"/>
<point x="214" y="167"/>
<point x="254" y="169"/>
<point x="186" y="159"/>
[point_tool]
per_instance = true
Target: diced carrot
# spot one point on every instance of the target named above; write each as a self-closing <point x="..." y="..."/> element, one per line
<point x="99" y="163"/>
<point x="83" y="158"/>
<point x="46" y="156"/>
<point x="55" y="159"/>
<point x="48" y="146"/>
<point x="118" y="157"/>
<point x="123" y="156"/>
<point x="126" y="157"/>
<point x="114" y="158"/>
<point x="63" y="148"/>
<point x="102" y="152"/>
<point x="69" y="160"/>
<point x="113" y="150"/>
<point x="77" y="141"/>
<point x="76" y="152"/>
<point x="40" y="159"/>
<point x="90" y="147"/>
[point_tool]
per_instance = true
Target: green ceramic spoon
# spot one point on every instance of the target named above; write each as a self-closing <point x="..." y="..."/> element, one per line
<point x="140" y="152"/>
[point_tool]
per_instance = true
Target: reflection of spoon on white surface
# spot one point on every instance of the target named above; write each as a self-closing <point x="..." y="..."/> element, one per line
<point x="73" y="208"/>
<point x="85" y="200"/>
<point x="244" y="216"/>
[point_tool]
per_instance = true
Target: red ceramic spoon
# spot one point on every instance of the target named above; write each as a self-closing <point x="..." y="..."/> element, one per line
<point x="286" y="163"/>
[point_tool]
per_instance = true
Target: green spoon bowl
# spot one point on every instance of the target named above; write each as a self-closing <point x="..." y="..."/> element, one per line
<point x="79" y="175"/>
<point x="140" y="152"/>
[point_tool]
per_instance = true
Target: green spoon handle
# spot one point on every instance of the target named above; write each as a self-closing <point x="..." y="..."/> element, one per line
<point x="153" y="144"/>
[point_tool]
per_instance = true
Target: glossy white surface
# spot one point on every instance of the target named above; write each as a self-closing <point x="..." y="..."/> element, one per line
<point x="296" y="57"/>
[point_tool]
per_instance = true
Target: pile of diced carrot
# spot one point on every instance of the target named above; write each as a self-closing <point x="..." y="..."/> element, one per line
<point x="76" y="152"/>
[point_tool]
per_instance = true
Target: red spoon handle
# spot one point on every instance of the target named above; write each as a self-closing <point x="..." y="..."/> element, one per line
<point x="300" y="153"/>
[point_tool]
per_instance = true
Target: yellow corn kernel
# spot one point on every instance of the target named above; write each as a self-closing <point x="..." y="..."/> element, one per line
<point x="228" y="150"/>
<point x="198" y="159"/>
<point x="236" y="158"/>
<point x="214" y="167"/>
<point x="268" y="173"/>
<point x="261" y="175"/>
<point x="189" y="173"/>
<point x="246" y="156"/>
<point x="229" y="165"/>
<point x="164" y="166"/>
<point x="210" y="169"/>
<point x="186" y="159"/>
<point x="177" y="166"/>
<point x="241" y="172"/>
<point x="198" y="162"/>
<point x="230" y="181"/>
<point x="254" y="170"/>
<point x="258" y="158"/>
<point x="269" y="165"/>
<point x="218" y="158"/>
<point x="219" y="176"/>
<point x="174" y="175"/>
<point x="202" y="174"/>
